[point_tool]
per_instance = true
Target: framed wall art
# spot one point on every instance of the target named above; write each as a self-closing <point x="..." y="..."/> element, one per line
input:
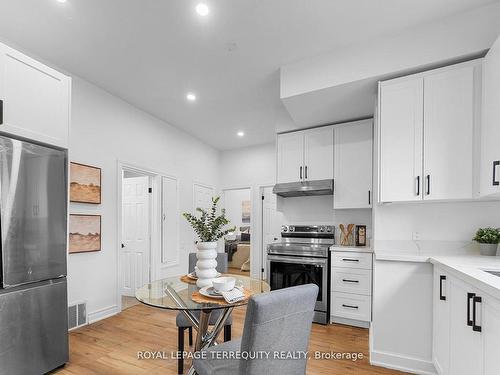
<point x="84" y="233"/>
<point x="85" y="183"/>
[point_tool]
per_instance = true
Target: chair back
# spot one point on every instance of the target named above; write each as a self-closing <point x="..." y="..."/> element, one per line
<point x="221" y="262"/>
<point x="279" y="322"/>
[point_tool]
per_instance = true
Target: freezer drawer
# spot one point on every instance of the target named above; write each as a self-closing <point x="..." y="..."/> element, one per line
<point x="33" y="328"/>
<point x="33" y="192"/>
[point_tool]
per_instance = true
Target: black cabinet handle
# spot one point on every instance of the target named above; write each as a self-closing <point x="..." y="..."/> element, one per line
<point x="441" y="279"/>
<point x="428" y="178"/>
<point x="350" y="260"/>
<point x="418" y="186"/>
<point x="350" y="306"/>
<point x="470" y="296"/>
<point x="369" y="197"/>
<point x="300" y="172"/>
<point x="1" y="113"/>
<point x="350" y="281"/>
<point x="496" y="163"/>
<point x="305" y="173"/>
<point x="475" y="301"/>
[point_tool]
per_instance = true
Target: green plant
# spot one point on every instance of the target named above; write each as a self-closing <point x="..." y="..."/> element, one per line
<point x="487" y="235"/>
<point x="208" y="226"/>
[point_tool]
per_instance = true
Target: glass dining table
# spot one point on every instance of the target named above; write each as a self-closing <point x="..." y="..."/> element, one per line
<point x="180" y="293"/>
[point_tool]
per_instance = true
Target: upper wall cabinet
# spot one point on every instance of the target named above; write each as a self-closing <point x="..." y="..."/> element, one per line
<point x="305" y="155"/>
<point x="353" y="165"/>
<point x="35" y="99"/>
<point x="428" y="134"/>
<point x="490" y="129"/>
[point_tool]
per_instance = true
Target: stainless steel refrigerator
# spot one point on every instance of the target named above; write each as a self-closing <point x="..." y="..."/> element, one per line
<point x="33" y="228"/>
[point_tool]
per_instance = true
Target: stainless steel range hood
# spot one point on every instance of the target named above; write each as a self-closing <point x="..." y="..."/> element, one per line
<point x="305" y="188"/>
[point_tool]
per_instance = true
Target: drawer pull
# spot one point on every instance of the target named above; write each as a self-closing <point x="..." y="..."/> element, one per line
<point x="496" y="163"/>
<point x="350" y="281"/>
<point x="475" y="327"/>
<point x="470" y="296"/>
<point x="350" y="306"/>
<point x="350" y="260"/>
<point x="1" y="115"/>
<point x="441" y="279"/>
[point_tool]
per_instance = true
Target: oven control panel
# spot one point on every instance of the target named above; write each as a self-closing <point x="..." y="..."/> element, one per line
<point x="308" y="229"/>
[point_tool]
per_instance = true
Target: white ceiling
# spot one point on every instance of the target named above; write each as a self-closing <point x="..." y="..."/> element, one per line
<point x="152" y="52"/>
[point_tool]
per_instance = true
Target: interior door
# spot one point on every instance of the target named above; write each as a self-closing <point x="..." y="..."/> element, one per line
<point x="202" y="196"/>
<point x="490" y="128"/>
<point x="290" y="157"/>
<point x="449" y="108"/>
<point x="36" y="98"/>
<point x="353" y="165"/>
<point x="318" y="153"/>
<point x="271" y="224"/>
<point x="170" y="220"/>
<point x="135" y="236"/>
<point x="401" y="132"/>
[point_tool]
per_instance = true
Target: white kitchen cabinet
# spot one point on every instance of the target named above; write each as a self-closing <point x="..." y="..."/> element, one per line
<point x="305" y="155"/>
<point x="318" y="153"/>
<point x="428" y="134"/>
<point x="290" y="157"/>
<point x="450" y="125"/>
<point x="441" y="323"/>
<point x="36" y="99"/>
<point x="490" y="126"/>
<point x="400" y="139"/>
<point x="353" y="165"/>
<point x="491" y="336"/>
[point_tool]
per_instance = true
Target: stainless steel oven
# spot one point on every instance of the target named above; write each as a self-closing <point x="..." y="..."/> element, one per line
<point x="302" y="257"/>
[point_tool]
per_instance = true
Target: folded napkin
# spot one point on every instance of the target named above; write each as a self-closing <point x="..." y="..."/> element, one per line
<point x="233" y="296"/>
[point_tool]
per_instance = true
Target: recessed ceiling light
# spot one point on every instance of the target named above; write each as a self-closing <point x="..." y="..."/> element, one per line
<point x="61" y="1"/>
<point x="240" y="134"/>
<point x="202" y="9"/>
<point x="191" y="97"/>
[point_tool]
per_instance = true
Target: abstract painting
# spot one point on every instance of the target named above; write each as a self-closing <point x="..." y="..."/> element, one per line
<point x="245" y="211"/>
<point x="85" y="184"/>
<point x="84" y="233"/>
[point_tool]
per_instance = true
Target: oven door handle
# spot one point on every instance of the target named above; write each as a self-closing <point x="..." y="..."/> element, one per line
<point x="301" y="260"/>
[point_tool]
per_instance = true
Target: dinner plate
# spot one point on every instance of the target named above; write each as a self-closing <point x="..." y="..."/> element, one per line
<point x="209" y="291"/>
<point x="193" y="276"/>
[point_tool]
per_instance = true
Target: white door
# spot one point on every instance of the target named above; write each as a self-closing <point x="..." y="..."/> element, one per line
<point x="318" y="153"/>
<point x="353" y="165"/>
<point x="170" y="221"/>
<point x="490" y="125"/>
<point x="36" y="99"/>
<point x="466" y="351"/>
<point x="449" y="118"/>
<point x="290" y="157"/>
<point x="441" y="322"/>
<point x="202" y="196"/>
<point x="491" y="335"/>
<point x="271" y="224"/>
<point x="135" y="236"/>
<point x="401" y="131"/>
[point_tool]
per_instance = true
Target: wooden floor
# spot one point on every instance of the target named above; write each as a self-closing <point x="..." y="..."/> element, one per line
<point x="110" y="346"/>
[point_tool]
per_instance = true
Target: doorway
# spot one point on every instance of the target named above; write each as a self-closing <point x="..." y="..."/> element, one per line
<point x="135" y="233"/>
<point x="238" y="205"/>
<point x="271" y="222"/>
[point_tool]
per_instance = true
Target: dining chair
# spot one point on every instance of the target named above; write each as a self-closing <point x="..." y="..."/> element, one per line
<point x="184" y="323"/>
<point x="276" y="322"/>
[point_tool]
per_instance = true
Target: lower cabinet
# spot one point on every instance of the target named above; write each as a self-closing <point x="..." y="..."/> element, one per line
<point x="466" y="328"/>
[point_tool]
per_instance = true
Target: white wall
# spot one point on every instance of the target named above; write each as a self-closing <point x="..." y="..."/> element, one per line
<point x="104" y="130"/>
<point x="233" y="199"/>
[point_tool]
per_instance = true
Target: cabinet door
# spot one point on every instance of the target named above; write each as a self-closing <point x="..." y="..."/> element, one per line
<point x="36" y="99"/>
<point x="490" y="127"/>
<point x="353" y="165"/>
<point x="318" y="153"/>
<point x="449" y="133"/>
<point x="491" y="336"/>
<point x="466" y="350"/>
<point x="290" y="157"/>
<point x="441" y="322"/>
<point x="400" y="139"/>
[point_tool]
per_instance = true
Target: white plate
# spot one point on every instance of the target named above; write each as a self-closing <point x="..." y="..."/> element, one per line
<point x="193" y="276"/>
<point x="205" y="292"/>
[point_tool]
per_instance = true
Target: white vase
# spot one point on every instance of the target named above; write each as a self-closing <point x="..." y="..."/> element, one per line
<point x="207" y="262"/>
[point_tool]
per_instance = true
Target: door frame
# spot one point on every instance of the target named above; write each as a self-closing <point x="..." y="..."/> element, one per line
<point x="263" y="250"/>
<point x="154" y="225"/>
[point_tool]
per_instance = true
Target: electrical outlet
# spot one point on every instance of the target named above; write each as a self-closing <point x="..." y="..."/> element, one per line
<point x="415" y="236"/>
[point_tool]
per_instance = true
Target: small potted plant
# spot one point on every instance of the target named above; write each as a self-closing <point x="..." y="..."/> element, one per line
<point x="488" y="239"/>
<point x="209" y="227"/>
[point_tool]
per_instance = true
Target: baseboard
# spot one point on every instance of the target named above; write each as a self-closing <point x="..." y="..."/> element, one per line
<point x="402" y="363"/>
<point x="101" y="314"/>
<point x="349" y="322"/>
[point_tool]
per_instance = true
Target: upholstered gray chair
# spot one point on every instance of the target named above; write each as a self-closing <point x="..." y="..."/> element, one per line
<point x="184" y="323"/>
<point x="276" y="322"/>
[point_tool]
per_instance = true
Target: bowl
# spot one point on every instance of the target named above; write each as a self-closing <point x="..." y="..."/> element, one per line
<point x="223" y="284"/>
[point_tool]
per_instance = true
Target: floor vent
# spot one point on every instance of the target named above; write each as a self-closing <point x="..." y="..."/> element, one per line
<point x="77" y="315"/>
